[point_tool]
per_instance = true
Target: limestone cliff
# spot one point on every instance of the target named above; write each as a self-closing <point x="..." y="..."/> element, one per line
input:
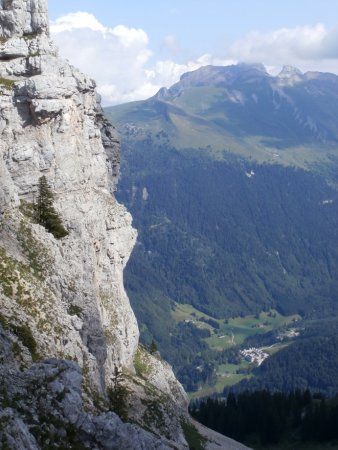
<point x="68" y="336"/>
<point x="51" y="124"/>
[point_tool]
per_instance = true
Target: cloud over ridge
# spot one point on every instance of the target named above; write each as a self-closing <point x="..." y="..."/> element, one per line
<point x="126" y="68"/>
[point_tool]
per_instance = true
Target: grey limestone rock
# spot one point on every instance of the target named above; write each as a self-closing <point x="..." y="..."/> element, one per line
<point x="52" y="125"/>
<point x="23" y="17"/>
<point x="46" y="406"/>
<point x="15" y="432"/>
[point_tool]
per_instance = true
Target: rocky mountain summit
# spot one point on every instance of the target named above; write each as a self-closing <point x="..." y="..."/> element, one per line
<point x="215" y="76"/>
<point x="69" y="351"/>
<point x="239" y="75"/>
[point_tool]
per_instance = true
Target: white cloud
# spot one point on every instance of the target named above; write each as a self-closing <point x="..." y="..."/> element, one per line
<point x="114" y="57"/>
<point x="307" y="47"/>
<point x="118" y="58"/>
<point x="76" y="20"/>
<point x="171" y="43"/>
<point x="121" y="61"/>
<point x="130" y="36"/>
<point x="330" y="44"/>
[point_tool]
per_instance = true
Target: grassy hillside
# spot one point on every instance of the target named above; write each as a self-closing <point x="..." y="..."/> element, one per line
<point x="216" y="137"/>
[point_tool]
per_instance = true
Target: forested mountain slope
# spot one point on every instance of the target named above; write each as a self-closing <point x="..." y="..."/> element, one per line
<point x="231" y="178"/>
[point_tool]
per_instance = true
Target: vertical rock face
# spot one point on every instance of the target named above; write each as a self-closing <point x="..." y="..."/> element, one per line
<point x="23" y="17"/>
<point x="51" y="124"/>
<point x="64" y="299"/>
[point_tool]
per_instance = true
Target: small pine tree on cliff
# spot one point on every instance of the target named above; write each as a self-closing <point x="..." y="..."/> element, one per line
<point x="118" y="395"/>
<point x="44" y="212"/>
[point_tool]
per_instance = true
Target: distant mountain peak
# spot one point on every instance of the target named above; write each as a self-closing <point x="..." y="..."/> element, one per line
<point x="244" y="101"/>
<point x="235" y="76"/>
<point x="290" y="75"/>
<point x="220" y="74"/>
<point x="216" y="76"/>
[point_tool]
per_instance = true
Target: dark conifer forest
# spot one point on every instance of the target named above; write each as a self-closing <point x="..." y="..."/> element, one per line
<point x="264" y="418"/>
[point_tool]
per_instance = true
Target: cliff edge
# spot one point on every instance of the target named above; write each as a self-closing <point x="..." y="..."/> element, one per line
<point x="69" y="347"/>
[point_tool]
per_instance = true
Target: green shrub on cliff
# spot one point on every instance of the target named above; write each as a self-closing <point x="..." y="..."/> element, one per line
<point x="44" y="212"/>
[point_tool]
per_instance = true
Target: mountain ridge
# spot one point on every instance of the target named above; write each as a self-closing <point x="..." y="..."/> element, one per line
<point x="242" y="107"/>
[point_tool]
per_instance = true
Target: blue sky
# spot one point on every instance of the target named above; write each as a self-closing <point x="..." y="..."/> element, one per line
<point x="158" y="41"/>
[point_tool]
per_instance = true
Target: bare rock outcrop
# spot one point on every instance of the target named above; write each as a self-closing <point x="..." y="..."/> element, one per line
<point x="48" y="396"/>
